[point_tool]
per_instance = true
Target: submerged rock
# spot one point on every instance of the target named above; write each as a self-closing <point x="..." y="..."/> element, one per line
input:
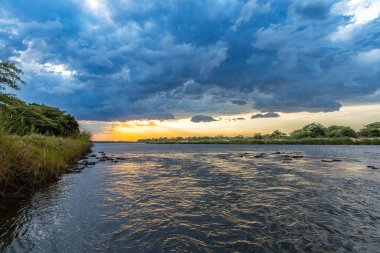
<point x="372" y="167"/>
<point x="261" y="155"/>
<point x="297" y="156"/>
<point x="86" y="163"/>
<point x="330" y="160"/>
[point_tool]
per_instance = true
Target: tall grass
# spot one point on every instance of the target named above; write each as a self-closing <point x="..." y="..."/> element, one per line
<point x="34" y="160"/>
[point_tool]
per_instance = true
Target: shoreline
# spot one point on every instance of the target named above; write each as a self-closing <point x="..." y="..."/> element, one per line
<point x="251" y="141"/>
<point x="33" y="161"/>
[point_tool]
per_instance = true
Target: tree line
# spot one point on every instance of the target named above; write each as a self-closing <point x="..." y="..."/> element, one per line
<point x="317" y="130"/>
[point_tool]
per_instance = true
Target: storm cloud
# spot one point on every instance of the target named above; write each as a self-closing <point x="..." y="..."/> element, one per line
<point x="265" y="115"/>
<point x="117" y="60"/>
<point x="202" y="118"/>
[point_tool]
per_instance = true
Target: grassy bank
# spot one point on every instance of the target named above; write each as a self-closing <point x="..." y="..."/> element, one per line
<point x="252" y="140"/>
<point x="30" y="161"/>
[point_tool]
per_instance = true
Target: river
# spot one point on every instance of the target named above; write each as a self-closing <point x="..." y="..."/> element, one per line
<point x="205" y="198"/>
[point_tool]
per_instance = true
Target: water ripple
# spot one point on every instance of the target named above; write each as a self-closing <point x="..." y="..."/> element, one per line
<point x="212" y="200"/>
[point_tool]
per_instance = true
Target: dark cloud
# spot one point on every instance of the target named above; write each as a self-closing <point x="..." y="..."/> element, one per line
<point x="313" y="9"/>
<point x="265" y="115"/>
<point x="202" y="118"/>
<point x="239" y="102"/>
<point x="160" y="59"/>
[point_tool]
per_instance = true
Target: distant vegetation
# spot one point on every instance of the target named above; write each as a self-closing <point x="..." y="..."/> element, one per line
<point x="313" y="133"/>
<point x="37" y="142"/>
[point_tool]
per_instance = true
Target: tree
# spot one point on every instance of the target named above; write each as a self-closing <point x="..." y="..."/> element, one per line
<point x="277" y="134"/>
<point x="340" y="131"/>
<point x="312" y="130"/>
<point x="10" y="76"/>
<point x="371" y="130"/>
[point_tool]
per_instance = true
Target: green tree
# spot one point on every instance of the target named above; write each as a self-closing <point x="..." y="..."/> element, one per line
<point x="371" y="130"/>
<point x="277" y="134"/>
<point x="340" y="131"/>
<point x="312" y="130"/>
<point x="10" y="76"/>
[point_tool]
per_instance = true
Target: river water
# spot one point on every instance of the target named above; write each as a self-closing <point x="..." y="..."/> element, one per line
<point x="205" y="198"/>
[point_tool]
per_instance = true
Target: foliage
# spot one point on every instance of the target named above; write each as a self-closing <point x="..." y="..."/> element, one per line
<point x="10" y="76"/>
<point x="340" y="131"/>
<point x="277" y="134"/>
<point x="18" y="117"/>
<point x="312" y="130"/>
<point x="314" y="133"/>
<point x="371" y="130"/>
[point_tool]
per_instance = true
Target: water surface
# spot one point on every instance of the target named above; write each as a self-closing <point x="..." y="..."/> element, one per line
<point x="205" y="198"/>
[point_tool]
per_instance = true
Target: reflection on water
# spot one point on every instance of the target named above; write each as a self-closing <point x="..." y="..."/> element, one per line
<point x="205" y="198"/>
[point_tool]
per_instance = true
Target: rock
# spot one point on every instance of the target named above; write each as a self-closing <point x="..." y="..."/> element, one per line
<point x="101" y="152"/>
<point x="86" y="163"/>
<point x="93" y="155"/>
<point x="287" y="159"/>
<point x="261" y="155"/>
<point x="372" y="167"/>
<point x="277" y="153"/>
<point x="79" y="167"/>
<point x="330" y="160"/>
<point x="297" y="156"/>
<point x="121" y="158"/>
<point x="286" y="156"/>
<point x="102" y="160"/>
<point x="84" y="157"/>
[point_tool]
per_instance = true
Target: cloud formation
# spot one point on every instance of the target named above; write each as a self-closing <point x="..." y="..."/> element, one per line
<point x="201" y="118"/>
<point x="118" y="60"/>
<point x="265" y="115"/>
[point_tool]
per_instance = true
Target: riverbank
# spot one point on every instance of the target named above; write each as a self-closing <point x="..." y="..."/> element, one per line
<point x="31" y="161"/>
<point x="252" y="140"/>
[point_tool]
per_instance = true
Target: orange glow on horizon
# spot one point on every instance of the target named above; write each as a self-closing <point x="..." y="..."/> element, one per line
<point x="355" y="116"/>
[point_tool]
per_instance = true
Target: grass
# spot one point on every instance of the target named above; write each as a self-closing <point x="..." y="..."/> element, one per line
<point x="251" y="140"/>
<point x="28" y="162"/>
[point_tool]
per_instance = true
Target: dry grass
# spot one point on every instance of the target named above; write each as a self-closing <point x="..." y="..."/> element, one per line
<point x="34" y="160"/>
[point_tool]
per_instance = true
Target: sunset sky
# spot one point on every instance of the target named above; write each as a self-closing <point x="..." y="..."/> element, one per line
<point x="150" y="68"/>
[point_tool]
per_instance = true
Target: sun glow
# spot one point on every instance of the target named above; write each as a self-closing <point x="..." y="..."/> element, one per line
<point x="355" y="115"/>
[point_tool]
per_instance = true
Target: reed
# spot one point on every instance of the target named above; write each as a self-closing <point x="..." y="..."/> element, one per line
<point x="27" y="162"/>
